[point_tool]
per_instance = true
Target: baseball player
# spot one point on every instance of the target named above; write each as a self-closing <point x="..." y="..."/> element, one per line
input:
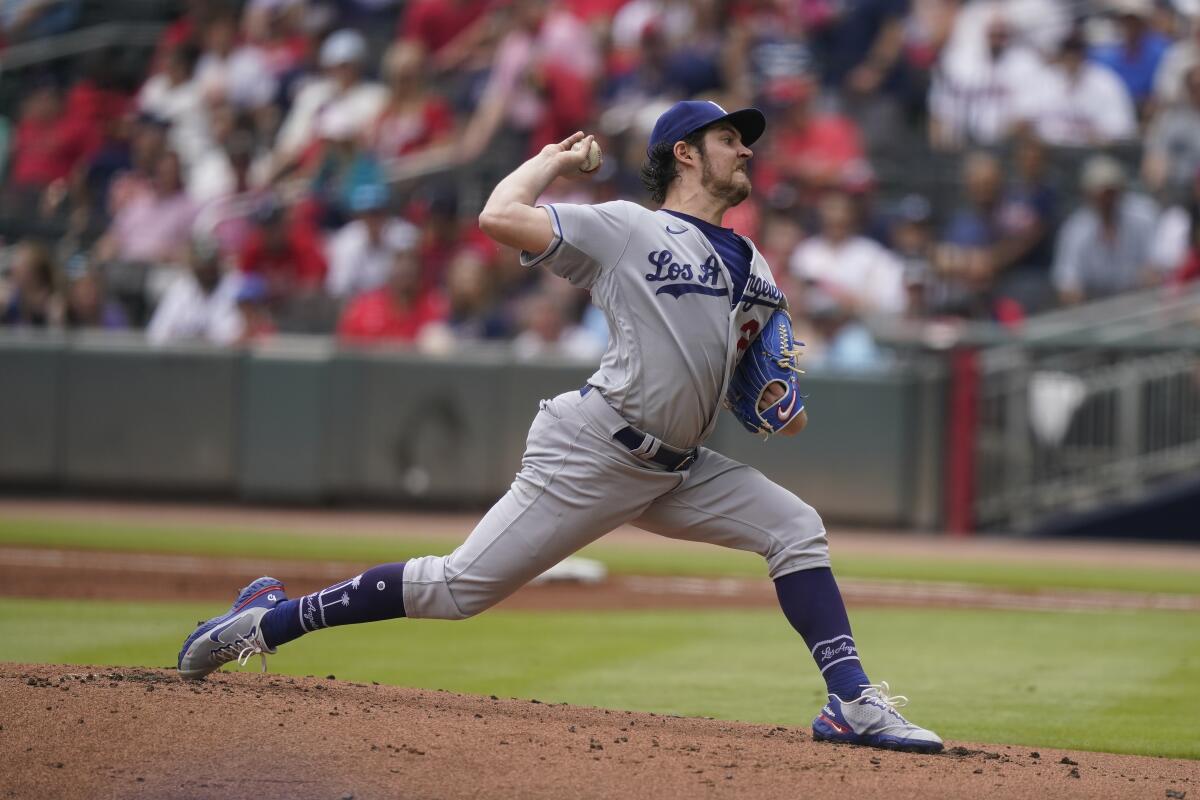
<point x="696" y="320"/>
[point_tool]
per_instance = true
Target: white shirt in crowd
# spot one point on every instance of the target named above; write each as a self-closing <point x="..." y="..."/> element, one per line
<point x="319" y="103"/>
<point x="356" y="264"/>
<point x="1168" y="80"/>
<point x="859" y="266"/>
<point x="1038" y="24"/>
<point x="976" y="99"/>
<point x="183" y="106"/>
<point x="212" y="177"/>
<point x="186" y="313"/>
<point x="243" y="78"/>
<point x="1095" y="108"/>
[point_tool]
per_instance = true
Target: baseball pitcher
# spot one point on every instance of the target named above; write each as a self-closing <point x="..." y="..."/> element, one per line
<point x="696" y="322"/>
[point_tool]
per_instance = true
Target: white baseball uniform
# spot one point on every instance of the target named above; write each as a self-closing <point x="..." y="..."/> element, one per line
<point x="676" y="337"/>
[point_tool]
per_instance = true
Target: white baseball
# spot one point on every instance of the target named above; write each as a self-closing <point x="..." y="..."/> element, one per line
<point x="592" y="162"/>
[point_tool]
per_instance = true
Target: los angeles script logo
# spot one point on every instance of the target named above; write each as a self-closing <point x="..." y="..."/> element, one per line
<point x="680" y="279"/>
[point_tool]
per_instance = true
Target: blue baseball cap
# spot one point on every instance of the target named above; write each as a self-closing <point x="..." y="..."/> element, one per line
<point x="688" y="116"/>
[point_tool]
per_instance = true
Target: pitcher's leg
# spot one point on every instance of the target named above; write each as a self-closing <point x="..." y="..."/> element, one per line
<point x="730" y="504"/>
<point x="575" y="485"/>
<point x="727" y="503"/>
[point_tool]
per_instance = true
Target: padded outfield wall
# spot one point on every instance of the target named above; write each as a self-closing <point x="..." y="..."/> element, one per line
<point x="302" y="421"/>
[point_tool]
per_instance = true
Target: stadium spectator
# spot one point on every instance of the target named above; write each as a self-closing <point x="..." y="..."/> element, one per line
<point x="284" y="250"/>
<point x="339" y="99"/>
<point x="33" y="299"/>
<point x="1176" y="62"/>
<point x="814" y="150"/>
<point x="659" y="69"/>
<point x="859" y="273"/>
<point x="235" y="166"/>
<point x="154" y="225"/>
<point x="87" y="305"/>
<point x="539" y="88"/>
<point x="46" y="146"/>
<point x="232" y="72"/>
<point x="1138" y="49"/>
<point x="473" y="312"/>
<point x="339" y="167"/>
<point x="147" y="146"/>
<point x="201" y="304"/>
<point x="416" y="126"/>
<point x="912" y="239"/>
<point x="860" y="46"/>
<point x="360" y="255"/>
<point x="1027" y="219"/>
<point x="1079" y="103"/>
<point x="965" y="255"/>
<point x="1104" y="247"/>
<point x="253" y="301"/>
<point x="1171" y="158"/>
<point x="975" y="94"/>
<point x="443" y="235"/>
<point x="779" y="235"/>
<point x="1038" y="24"/>
<point x="173" y="96"/>
<point x="1175" y="229"/>
<point x="840" y="340"/>
<point x="276" y="28"/>
<point x="449" y="30"/>
<point x="398" y="311"/>
<point x="546" y="332"/>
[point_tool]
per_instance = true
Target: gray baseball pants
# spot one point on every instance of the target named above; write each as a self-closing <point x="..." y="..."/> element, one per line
<point x="576" y="484"/>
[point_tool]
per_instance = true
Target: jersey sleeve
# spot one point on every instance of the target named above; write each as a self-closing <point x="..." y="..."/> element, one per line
<point x="588" y="241"/>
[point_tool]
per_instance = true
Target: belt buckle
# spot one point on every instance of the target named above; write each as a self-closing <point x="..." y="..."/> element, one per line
<point x="685" y="462"/>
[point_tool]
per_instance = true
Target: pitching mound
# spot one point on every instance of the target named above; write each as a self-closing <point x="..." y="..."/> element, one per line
<point x="83" y="732"/>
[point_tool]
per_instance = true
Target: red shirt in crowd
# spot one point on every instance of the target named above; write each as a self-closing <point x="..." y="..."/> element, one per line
<point x="375" y="316"/>
<point x="298" y="263"/>
<point x="46" y="150"/>
<point x="819" y="152"/>
<point x="435" y="23"/>
<point x="1190" y="271"/>
<point x="397" y="134"/>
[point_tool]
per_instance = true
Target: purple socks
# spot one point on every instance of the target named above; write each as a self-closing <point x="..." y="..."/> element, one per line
<point x="376" y="594"/>
<point x="813" y="605"/>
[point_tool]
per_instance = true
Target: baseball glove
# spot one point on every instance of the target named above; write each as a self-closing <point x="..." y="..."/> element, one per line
<point x="770" y="358"/>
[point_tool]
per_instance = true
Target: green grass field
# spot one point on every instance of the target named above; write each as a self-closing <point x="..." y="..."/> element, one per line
<point x="1117" y="682"/>
<point x="667" y="559"/>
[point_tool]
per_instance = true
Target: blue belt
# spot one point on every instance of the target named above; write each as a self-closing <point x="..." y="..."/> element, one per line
<point x="672" y="458"/>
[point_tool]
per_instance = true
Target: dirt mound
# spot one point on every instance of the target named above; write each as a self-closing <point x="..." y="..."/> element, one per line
<point x="82" y="732"/>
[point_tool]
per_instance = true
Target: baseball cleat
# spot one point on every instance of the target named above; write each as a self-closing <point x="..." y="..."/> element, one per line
<point x="233" y="635"/>
<point x="873" y="720"/>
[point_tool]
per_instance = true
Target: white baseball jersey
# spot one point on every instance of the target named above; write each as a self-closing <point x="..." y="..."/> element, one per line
<point x="666" y="293"/>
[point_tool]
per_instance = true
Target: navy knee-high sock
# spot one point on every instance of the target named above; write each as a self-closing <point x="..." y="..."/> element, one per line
<point x="376" y="594"/>
<point x="813" y="605"/>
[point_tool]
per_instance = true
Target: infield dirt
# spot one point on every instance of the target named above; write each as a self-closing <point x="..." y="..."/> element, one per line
<point x="85" y="732"/>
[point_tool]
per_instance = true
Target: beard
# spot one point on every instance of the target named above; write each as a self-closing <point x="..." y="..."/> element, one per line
<point x="728" y="190"/>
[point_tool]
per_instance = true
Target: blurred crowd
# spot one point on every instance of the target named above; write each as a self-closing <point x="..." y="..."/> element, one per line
<point x="315" y="166"/>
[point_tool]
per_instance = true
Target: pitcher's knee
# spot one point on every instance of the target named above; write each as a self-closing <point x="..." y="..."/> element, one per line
<point x="430" y="594"/>
<point x="800" y="541"/>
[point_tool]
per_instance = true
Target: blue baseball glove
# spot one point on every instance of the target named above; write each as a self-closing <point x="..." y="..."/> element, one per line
<point x="770" y="358"/>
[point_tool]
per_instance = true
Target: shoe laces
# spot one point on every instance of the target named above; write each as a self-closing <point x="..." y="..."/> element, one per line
<point x="251" y="649"/>
<point x="243" y="649"/>
<point x="881" y="692"/>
